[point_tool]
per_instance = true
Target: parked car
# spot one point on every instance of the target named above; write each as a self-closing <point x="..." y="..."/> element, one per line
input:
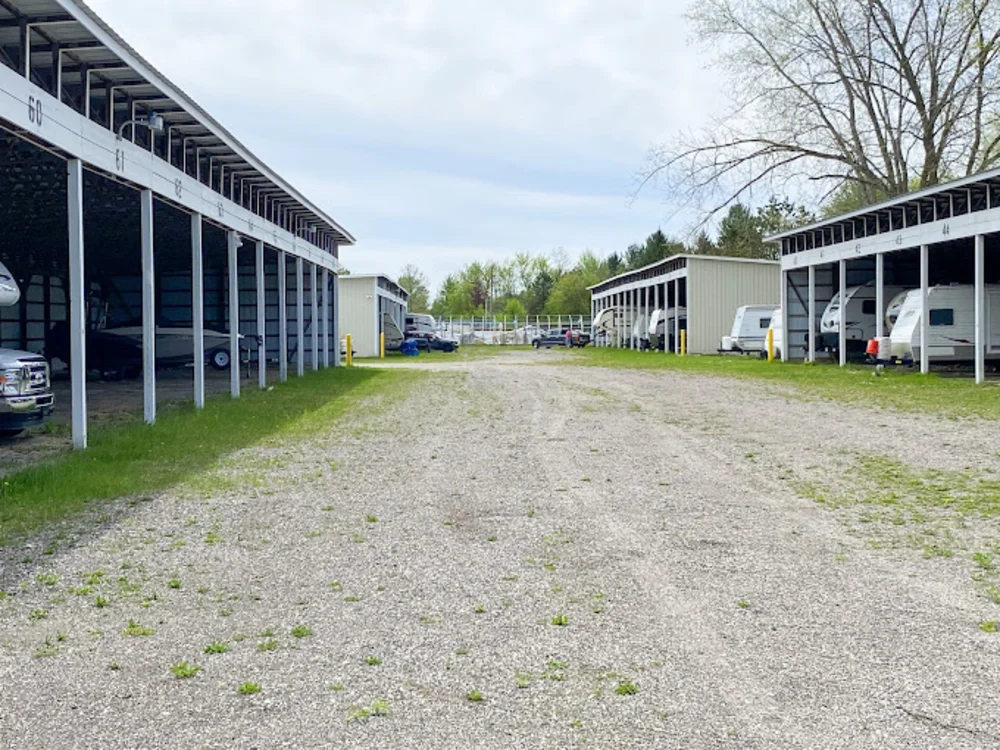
<point x="557" y="337"/>
<point x="433" y="341"/>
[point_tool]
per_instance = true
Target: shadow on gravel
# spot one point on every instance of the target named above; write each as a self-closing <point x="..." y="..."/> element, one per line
<point x="132" y="459"/>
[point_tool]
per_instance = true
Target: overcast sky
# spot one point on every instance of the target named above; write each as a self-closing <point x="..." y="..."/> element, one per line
<point x="444" y="131"/>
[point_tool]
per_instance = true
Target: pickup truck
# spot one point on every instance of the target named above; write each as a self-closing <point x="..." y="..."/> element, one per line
<point x="557" y="337"/>
<point x="25" y="391"/>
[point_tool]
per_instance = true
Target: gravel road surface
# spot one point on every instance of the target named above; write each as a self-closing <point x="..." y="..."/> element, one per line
<point x="524" y="553"/>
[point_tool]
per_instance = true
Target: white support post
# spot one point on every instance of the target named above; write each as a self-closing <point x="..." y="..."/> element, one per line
<point x="666" y="303"/>
<point x="148" y="309"/>
<point x="282" y="317"/>
<point x="315" y="316"/>
<point x="234" y="313"/>
<point x="879" y="295"/>
<point x="924" y="263"/>
<point x="785" y="335"/>
<point x="198" y="310"/>
<point x="77" y="304"/>
<point x="261" y="318"/>
<point x="326" y="318"/>
<point x="980" y="307"/>
<point x="336" y="320"/>
<point x="842" y="315"/>
<point x="300" y="313"/>
<point x="677" y="316"/>
<point x="812" y="313"/>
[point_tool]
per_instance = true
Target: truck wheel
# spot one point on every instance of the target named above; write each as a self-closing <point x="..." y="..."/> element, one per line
<point x="9" y="433"/>
<point x="535" y="343"/>
<point x="220" y="359"/>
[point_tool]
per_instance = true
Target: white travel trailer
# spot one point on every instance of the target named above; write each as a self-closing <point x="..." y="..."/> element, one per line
<point x="750" y="325"/>
<point x="420" y="323"/>
<point x="640" y="331"/>
<point x="606" y="325"/>
<point x="892" y="311"/>
<point x="860" y="317"/>
<point x="658" y="322"/>
<point x="951" y="333"/>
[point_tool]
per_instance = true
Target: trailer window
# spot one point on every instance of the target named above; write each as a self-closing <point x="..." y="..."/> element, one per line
<point x="765" y="323"/>
<point x="943" y="317"/>
<point x="868" y="307"/>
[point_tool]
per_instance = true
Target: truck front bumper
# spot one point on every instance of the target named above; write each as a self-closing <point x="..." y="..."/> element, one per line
<point x="18" y="412"/>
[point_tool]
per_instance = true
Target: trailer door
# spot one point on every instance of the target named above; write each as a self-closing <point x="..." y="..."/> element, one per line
<point x="993" y="320"/>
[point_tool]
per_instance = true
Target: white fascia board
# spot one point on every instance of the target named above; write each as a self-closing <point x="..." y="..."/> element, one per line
<point x="931" y="233"/>
<point x="39" y="114"/>
<point x="87" y="18"/>
<point x="680" y="273"/>
<point x="389" y="295"/>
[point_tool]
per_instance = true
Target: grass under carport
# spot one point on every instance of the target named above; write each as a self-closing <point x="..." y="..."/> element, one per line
<point x="133" y="458"/>
<point x="900" y="389"/>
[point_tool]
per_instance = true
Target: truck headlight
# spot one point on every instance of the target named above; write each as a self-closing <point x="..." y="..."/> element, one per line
<point x="10" y="382"/>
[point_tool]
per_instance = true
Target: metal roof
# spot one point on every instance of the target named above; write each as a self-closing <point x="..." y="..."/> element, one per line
<point x="73" y="50"/>
<point x="377" y="277"/>
<point x="974" y="192"/>
<point x="674" y="260"/>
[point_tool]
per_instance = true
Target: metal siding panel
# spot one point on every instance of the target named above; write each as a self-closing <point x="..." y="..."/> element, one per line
<point x="357" y="315"/>
<point x="716" y="288"/>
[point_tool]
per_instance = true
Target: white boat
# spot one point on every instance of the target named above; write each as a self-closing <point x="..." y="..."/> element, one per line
<point x="175" y="345"/>
<point x="393" y="335"/>
<point x="10" y="294"/>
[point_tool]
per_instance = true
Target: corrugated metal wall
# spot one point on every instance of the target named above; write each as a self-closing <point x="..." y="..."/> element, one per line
<point x="357" y="314"/>
<point x="716" y="288"/>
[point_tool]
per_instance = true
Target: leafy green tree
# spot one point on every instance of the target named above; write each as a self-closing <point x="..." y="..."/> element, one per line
<point x="413" y="280"/>
<point x="514" y="308"/>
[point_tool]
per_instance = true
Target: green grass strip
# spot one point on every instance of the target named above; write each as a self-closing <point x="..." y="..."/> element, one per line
<point x="134" y="458"/>
<point x="900" y="390"/>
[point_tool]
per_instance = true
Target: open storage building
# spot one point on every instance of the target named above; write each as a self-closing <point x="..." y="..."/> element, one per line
<point x="125" y="203"/>
<point x="362" y="301"/>
<point x="944" y="235"/>
<point x="699" y="292"/>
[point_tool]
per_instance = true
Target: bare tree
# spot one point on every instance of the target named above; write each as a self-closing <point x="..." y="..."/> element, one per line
<point x="878" y="96"/>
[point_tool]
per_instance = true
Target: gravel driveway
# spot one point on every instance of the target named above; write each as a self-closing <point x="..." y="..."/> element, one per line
<point x="522" y="556"/>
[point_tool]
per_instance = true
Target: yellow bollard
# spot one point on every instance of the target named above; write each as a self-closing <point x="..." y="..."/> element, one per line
<point x="350" y="354"/>
<point x="770" y="345"/>
<point x="684" y="342"/>
<point x="381" y="346"/>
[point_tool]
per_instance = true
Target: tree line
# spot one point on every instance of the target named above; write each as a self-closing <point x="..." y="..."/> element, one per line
<point x="550" y="284"/>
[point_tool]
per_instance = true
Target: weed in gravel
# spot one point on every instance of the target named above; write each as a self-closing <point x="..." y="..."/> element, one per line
<point x="314" y="534"/>
<point x="560" y="620"/>
<point x="531" y="512"/>
<point x="626" y="687"/>
<point x="479" y="609"/>
<point x="174" y="583"/>
<point x="475" y="696"/>
<point x="212" y="537"/>
<point x="336" y="586"/>
<point x="431" y="620"/>
<point x="240" y="637"/>
<point x="301" y="631"/>
<point x="491" y="538"/>
<point x="327" y="508"/>
<point x="461" y="652"/>
<point x="449" y="523"/>
<point x="79" y="590"/>
<point x="357" y="538"/>
<point x="556" y="664"/>
<point x="379" y="707"/>
<point x="984" y="560"/>
<point x="932" y="550"/>
<point x="38" y="614"/>
<point x="46" y="650"/>
<point x="266" y="633"/>
<point x="217" y="648"/>
<point x="114" y="666"/>
<point x="373" y="661"/>
<point x="183" y="670"/>
<point x="101" y="602"/>
<point x="988" y="626"/>
<point x="47" y="579"/>
<point x="371" y="519"/>
<point x="248" y="688"/>
<point x="203" y="589"/>
<point x="352" y="598"/>
<point x="523" y="679"/>
<point x="268" y="645"/>
<point x="136" y="630"/>
<point x="337" y="687"/>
